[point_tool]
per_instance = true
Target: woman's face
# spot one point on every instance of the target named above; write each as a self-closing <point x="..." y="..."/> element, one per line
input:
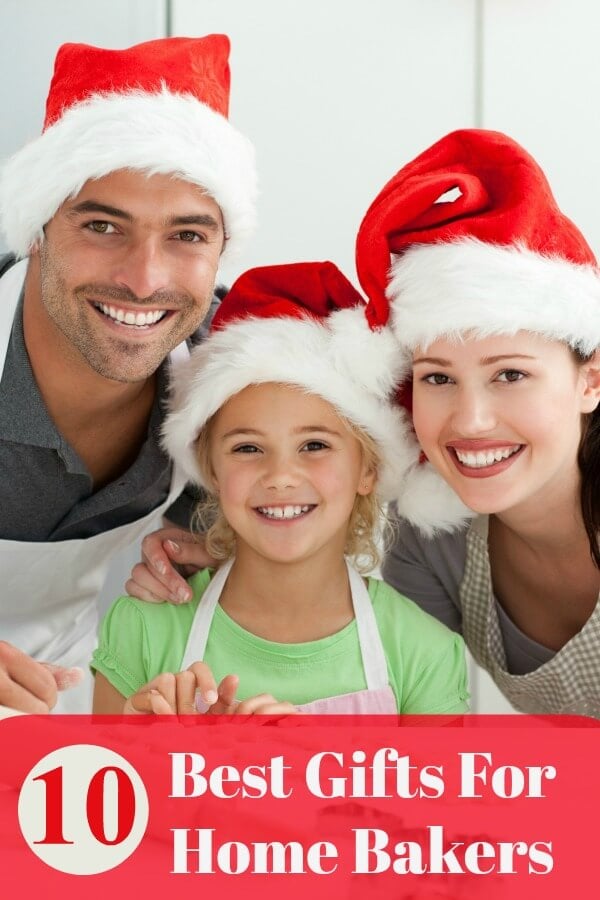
<point x="500" y="417"/>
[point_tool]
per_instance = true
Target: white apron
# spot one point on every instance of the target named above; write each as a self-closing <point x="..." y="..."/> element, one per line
<point x="378" y="696"/>
<point x="48" y="591"/>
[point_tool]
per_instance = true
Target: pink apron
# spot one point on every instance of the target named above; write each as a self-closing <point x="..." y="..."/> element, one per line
<point x="378" y="696"/>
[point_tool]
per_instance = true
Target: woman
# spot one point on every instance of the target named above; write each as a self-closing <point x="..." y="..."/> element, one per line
<point x="494" y="296"/>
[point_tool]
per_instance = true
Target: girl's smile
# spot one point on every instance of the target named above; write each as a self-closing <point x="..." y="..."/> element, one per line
<point x="287" y="513"/>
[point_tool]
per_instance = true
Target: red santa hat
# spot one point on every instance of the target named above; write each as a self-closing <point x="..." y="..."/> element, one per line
<point x="301" y="324"/>
<point x="468" y="238"/>
<point x="158" y="107"/>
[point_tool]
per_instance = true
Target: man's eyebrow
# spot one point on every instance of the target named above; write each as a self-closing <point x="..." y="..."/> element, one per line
<point x="205" y="221"/>
<point x="93" y="206"/>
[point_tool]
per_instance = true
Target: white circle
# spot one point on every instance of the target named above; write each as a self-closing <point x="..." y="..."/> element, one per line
<point x="77" y="765"/>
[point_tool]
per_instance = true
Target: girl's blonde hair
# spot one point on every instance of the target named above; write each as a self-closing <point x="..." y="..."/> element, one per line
<point x="367" y="526"/>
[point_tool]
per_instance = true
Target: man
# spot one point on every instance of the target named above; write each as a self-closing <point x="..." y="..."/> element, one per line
<point x="120" y="211"/>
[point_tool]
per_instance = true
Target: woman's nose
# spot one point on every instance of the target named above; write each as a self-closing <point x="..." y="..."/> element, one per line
<point x="473" y="412"/>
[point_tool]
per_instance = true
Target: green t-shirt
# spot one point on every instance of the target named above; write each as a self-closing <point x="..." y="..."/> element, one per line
<point x="425" y="660"/>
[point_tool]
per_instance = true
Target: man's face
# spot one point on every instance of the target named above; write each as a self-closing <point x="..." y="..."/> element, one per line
<point x="127" y="269"/>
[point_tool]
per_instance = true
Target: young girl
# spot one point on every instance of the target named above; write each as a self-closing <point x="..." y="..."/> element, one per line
<point x="282" y="415"/>
<point x="495" y="298"/>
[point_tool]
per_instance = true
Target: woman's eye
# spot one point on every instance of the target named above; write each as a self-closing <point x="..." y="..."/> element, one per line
<point x="437" y="378"/>
<point x="312" y="446"/>
<point x="100" y="227"/>
<point x="511" y="375"/>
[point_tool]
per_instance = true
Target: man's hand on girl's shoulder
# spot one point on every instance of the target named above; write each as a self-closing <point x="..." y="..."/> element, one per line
<point x="169" y="556"/>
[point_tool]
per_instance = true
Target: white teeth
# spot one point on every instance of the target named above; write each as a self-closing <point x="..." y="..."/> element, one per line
<point x="140" y="319"/>
<point x="485" y="457"/>
<point x="283" y="512"/>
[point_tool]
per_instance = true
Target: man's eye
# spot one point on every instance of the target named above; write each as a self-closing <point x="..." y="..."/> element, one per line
<point x="100" y="227"/>
<point x="511" y="375"/>
<point x="437" y="378"/>
<point x="312" y="446"/>
<point x="190" y="237"/>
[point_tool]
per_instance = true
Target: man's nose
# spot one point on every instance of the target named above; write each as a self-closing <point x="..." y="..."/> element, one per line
<point x="144" y="270"/>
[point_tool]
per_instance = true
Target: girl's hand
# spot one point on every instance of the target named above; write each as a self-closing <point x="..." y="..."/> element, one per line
<point x="168" y="557"/>
<point x="260" y="705"/>
<point x="175" y="694"/>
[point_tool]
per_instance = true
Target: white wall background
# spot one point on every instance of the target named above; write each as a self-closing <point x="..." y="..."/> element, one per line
<point x="337" y="95"/>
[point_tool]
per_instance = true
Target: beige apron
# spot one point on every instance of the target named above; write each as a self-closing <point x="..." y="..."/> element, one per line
<point x="378" y="696"/>
<point x="567" y="683"/>
<point x="48" y="591"/>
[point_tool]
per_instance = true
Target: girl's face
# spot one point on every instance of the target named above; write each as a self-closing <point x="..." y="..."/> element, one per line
<point x="287" y="471"/>
<point x="500" y="417"/>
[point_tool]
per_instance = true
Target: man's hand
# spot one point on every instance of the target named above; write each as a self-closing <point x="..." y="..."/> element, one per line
<point x="156" y="578"/>
<point x="30" y="686"/>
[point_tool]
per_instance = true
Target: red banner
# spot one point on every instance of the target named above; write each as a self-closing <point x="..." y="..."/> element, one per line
<point x="426" y="807"/>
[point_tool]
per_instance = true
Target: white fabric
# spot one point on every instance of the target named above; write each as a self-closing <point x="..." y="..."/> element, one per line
<point x="49" y="590"/>
<point x="163" y="132"/>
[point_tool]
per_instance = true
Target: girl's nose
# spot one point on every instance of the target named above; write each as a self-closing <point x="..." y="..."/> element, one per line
<point x="281" y="473"/>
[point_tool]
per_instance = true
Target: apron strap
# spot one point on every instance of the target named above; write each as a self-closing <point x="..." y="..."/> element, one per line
<point x="198" y="636"/>
<point x="11" y="285"/>
<point x="371" y="646"/>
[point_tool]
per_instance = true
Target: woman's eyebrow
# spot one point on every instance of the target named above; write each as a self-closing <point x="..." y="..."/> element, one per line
<point x="484" y="361"/>
<point x="434" y="360"/>
<point x="490" y="360"/>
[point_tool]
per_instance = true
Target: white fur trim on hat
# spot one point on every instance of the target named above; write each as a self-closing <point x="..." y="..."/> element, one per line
<point x="344" y="362"/>
<point x="427" y="501"/>
<point x="156" y="133"/>
<point x="444" y="290"/>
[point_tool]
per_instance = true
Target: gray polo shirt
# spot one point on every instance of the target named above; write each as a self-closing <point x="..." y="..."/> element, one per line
<point x="46" y="492"/>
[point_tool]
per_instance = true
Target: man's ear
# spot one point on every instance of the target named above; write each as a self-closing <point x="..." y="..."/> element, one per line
<point x="590" y="371"/>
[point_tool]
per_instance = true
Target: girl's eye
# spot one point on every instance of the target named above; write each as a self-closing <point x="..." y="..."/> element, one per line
<point x="510" y="375"/>
<point x="437" y="378"/>
<point x="100" y="227"/>
<point x="246" y="448"/>
<point x="312" y="446"/>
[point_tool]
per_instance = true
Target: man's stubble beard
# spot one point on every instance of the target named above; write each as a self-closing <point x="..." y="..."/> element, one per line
<point x="110" y="356"/>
